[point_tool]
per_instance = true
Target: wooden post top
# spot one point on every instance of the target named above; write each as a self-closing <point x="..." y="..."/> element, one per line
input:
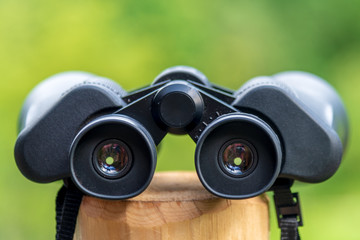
<point x="174" y="206"/>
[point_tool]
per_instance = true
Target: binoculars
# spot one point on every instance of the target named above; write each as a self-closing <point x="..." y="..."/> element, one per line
<point x="76" y="125"/>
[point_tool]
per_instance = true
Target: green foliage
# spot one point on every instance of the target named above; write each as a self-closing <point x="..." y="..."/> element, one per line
<point x="132" y="41"/>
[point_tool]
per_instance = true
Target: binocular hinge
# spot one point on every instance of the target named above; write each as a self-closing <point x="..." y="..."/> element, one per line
<point x="288" y="213"/>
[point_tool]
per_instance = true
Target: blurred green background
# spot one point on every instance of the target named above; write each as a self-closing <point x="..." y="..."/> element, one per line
<point x="132" y="41"/>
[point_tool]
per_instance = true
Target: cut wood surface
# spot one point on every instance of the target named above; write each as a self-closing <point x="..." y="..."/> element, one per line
<point x="174" y="206"/>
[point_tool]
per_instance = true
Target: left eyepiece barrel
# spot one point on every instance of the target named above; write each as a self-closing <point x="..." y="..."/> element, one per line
<point x="113" y="157"/>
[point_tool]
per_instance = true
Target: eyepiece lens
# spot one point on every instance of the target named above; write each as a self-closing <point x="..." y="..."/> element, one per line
<point x="237" y="158"/>
<point x="112" y="158"/>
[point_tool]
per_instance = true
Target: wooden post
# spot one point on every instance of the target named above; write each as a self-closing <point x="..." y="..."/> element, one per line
<point x="174" y="207"/>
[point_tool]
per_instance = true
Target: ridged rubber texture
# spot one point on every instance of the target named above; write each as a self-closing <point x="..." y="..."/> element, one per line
<point x="262" y="81"/>
<point x="47" y="93"/>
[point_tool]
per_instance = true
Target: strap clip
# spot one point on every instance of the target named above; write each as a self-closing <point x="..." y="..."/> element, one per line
<point x="289" y="209"/>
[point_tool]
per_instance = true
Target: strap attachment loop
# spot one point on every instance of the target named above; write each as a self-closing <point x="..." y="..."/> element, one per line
<point x="288" y="212"/>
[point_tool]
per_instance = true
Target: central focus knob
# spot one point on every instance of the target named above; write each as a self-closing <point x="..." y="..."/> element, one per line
<point x="178" y="107"/>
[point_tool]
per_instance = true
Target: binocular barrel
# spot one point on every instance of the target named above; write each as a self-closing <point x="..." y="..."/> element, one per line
<point x="51" y="117"/>
<point x="308" y="116"/>
<point x="44" y="96"/>
<point x="290" y="125"/>
<point x="320" y="97"/>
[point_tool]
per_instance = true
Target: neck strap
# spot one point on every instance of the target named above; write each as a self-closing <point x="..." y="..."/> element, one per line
<point x="68" y="203"/>
<point x="288" y="212"/>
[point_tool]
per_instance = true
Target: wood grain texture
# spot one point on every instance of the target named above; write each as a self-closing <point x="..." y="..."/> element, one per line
<point x="175" y="206"/>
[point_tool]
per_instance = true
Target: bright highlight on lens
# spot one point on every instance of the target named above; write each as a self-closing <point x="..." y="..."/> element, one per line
<point x="237" y="161"/>
<point x="236" y="158"/>
<point x="112" y="158"/>
<point x="109" y="161"/>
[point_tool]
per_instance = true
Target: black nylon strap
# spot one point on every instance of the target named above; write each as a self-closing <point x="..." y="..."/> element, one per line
<point x="68" y="203"/>
<point x="288" y="212"/>
<point x="289" y="229"/>
<point x="59" y="206"/>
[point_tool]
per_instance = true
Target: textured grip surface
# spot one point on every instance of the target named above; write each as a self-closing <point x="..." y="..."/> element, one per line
<point x="42" y="148"/>
<point x="46" y="94"/>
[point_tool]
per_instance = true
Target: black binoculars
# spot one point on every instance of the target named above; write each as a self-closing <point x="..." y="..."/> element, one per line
<point x="76" y="125"/>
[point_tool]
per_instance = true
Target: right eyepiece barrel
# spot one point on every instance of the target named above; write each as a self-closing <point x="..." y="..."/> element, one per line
<point x="238" y="156"/>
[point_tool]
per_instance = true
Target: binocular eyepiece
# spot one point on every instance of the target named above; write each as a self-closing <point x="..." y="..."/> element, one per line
<point x="76" y="125"/>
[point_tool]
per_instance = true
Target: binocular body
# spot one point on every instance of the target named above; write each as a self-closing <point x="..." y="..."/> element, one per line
<point x="76" y="125"/>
